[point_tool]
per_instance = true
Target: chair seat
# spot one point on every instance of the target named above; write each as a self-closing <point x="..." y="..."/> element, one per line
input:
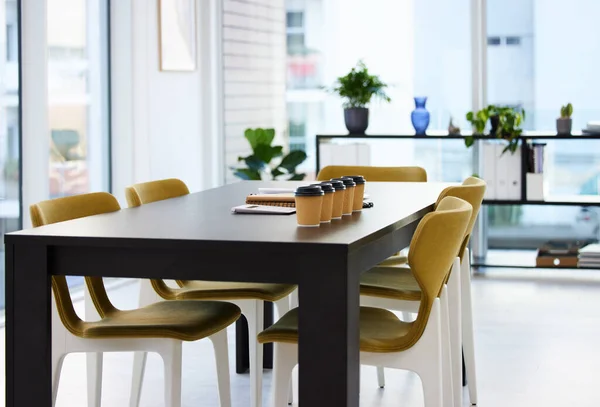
<point x="183" y="320"/>
<point x="380" y="331"/>
<point x="219" y="290"/>
<point x="397" y="283"/>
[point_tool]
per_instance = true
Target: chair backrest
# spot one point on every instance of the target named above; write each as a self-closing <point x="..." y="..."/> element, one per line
<point x="153" y="191"/>
<point x="375" y="174"/>
<point x="147" y="192"/>
<point x="432" y="251"/>
<point x="472" y="191"/>
<point x="68" y="208"/>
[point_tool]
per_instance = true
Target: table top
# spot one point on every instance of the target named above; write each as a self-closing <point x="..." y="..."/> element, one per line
<point x="206" y="217"/>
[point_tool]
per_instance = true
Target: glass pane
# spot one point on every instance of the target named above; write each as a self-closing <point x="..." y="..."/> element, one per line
<point x="78" y="98"/>
<point x="419" y="48"/>
<point x="535" y="66"/>
<point x="294" y="19"/>
<point x="78" y="111"/>
<point x="10" y="206"/>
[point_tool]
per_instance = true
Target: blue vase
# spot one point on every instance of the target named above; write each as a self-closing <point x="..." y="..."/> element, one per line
<point x="420" y="116"/>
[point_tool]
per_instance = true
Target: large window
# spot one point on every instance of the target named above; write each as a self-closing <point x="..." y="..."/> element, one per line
<point x="9" y="126"/>
<point x="533" y="64"/>
<point x="420" y="48"/>
<point x="78" y="96"/>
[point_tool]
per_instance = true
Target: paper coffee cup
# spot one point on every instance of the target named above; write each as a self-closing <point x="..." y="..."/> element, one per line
<point x="309" y="201"/>
<point x="338" y="198"/>
<point x="348" y="196"/>
<point x="348" y="200"/>
<point x="327" y="207"/>
<point x="359" y="191"/>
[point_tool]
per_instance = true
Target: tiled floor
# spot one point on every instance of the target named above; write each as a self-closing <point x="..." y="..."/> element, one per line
<point x="537" y="339"/>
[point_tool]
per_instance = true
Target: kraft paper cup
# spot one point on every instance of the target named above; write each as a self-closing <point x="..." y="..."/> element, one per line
<point x="338" y="199"/>
<point x="359" y="191"/>
<point x="349" y="196"/>
<point x="327" y="207"/>
<point x="309" y="201"/>
<point x="348" y="200"/>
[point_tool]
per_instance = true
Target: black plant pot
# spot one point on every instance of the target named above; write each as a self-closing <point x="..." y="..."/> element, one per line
<point x="357" y="119"/>
<point x="494" y="122"/>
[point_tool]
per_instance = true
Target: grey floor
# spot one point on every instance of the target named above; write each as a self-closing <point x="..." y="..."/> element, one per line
<point x="537" y="336"/>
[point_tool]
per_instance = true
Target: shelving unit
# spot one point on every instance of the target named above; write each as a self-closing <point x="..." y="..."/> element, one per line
<point x="523" y="139"/>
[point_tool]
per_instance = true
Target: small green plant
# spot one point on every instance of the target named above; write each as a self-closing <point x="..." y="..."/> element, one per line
<point x="259" y="162"/>
<point x="566" y="111"/>
<point x="358" y="87"/>
<point x="509" y="121"/>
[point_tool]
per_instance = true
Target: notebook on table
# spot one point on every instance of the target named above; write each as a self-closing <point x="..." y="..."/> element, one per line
<point x="285" y="200"/>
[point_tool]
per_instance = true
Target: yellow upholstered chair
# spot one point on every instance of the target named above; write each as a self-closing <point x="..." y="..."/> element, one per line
<point x="375" y="174"/>
<point x="396" y="287"/>
<point x="385" y="340"/>
<point x="248" y="296"/>
<point x="159" y="327"/>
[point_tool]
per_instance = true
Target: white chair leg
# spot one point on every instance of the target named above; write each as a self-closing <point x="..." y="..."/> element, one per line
<point x="407" y="316"/>
<point x="93" y="359"/>
<point x="284" y="359"/>
<point x="253" y="310"/>
<point x="430" y="373"/>
<point x="147" y="297"/>
<point x="454" y="309"/>
<point x="380" y="377"/>
<point x="283" y="306"/>
<point x="219" y="341"/>
<point x="467" y="327"/>
<point x="447" y="378"/>
<point x="171" y="356"/>
<point x="294" y="298"/>
<point x="57" y="362"/>
<point x="94" y="362"/>
<point x="139" y="367"/>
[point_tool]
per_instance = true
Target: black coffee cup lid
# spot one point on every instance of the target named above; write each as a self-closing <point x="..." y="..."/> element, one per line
<point x="349" y="182"/>
<point x="337" y="184"/>
<point x="358" y="179"/>
<point x="326" y="187"/>
<point x="309" y="190"/>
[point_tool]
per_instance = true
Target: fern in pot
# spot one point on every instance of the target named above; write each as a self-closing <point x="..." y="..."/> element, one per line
<point x="358" y="88"/>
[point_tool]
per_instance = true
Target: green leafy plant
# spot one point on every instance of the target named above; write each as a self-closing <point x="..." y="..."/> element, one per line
<point x="359" y="86"/>
<point x="259" y="162"/>
<point x="566" y="111"/>
<point x="509" y="121"/>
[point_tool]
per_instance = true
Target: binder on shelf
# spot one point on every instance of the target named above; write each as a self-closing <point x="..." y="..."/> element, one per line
<point x="502" y="164"/>
<point x="489" y="169"/>
<point x="514" y="168"/>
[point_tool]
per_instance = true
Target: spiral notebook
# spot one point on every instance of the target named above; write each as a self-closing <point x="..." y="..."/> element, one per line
<point x="283" y="200"/>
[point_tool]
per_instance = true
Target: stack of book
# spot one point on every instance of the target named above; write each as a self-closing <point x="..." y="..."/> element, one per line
<point x="589" y="256"/>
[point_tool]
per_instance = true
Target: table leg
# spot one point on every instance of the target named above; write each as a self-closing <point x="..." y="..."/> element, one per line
<point x="329" y="339"/>
<point x="28" y="327"/>
<point x="242" y="358"/>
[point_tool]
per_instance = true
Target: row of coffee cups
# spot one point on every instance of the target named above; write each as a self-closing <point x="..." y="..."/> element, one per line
<point x="319" y="203"/>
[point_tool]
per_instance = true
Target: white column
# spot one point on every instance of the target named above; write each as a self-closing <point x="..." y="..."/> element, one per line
<point x="211" y="69"/>
<point x="121" y="96"/>
<point x="97" y="94"/>
<point x="34" y="102"/>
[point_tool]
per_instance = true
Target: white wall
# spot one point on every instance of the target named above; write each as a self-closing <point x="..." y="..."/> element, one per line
<point x="254" y="59"/>
<point x="159" y="118"/>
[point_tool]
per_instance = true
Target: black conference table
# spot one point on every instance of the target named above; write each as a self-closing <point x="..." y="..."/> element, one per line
<point x="196" y="237"/>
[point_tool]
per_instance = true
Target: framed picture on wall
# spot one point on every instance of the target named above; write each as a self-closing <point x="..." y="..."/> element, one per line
<point x="177" y="35"/>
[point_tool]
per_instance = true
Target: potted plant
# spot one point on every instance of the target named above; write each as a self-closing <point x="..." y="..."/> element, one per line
<point x="357" y="88"/>
<point x="259" y="162"/>
<point x="564" y="123"/>
<point x="505" y="124"/>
